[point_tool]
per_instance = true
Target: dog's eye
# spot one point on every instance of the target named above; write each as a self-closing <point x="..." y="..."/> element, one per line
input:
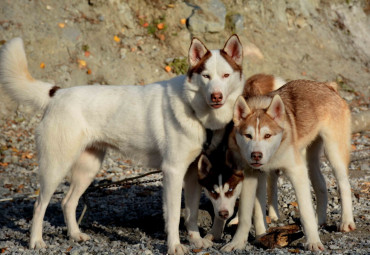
<point x="248" y="136"/>
<point x="206" y="76"/>
<point x="213" y="191"/>
<point x="267" y="136"/>
<point x="226" y="75"/>
<point x="231" y="189"/>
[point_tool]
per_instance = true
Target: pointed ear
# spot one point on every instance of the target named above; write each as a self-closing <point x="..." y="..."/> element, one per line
<point x="234" y="49"/>
<point x="241" y="110"/>
<point x="196" y="52"/>
<point x="276" y="109"/>
<point x="204" y="166"/>
<point x="229" y="161"/>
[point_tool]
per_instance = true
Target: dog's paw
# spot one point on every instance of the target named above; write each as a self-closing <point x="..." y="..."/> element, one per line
<point x="177" y="249"/>
<point x="347" y="226"/>
<point x="273" y="214"/>
<point x="37" y="244"/>
<point x="315" y="246"/>
<point x="202" y="242"/>
<point x="232" y="246"/>
<point x="79" y="237"/>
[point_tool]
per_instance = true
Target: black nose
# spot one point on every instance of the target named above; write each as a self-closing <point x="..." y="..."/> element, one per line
<point x="257" y="155"/>
<point x="223" y="214"/>
<point x="216" y="97"/>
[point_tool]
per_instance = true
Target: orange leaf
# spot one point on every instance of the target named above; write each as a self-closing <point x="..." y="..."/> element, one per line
<point x="295" y="204"/>
<point x="168" y="69"/>
<point x="116" y="38"/>
<point x="146" y="24"/>
<point x="87" y="53"/>
<point x="42" y="65"/>
<point x="81" y="63"/>
<point x="160" y="26"/>
<point x="61" y="25"/>
<point x="88" y="71"/>
<point x="183" y="21"/>
<point x="161" y="37"/>
<point x="268" y="219"/>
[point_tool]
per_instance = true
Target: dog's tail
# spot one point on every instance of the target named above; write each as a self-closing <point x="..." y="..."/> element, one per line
<point x="16" y="80"/>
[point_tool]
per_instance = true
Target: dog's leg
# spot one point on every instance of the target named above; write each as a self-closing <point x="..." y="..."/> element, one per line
<point x="172" y="188"/>
<point x="246" y="203"/>
<point x="317" y="179"/>
<point x="51" y="175"/>
<point x="192" y="192"/>
<point x="337" y="149"/>
<point x="259" y="217"/>
<point x="217" y="230"/>
<point x="83" y="173"/>
<point x="297" y="172"/>
<point x="272" y="195"/>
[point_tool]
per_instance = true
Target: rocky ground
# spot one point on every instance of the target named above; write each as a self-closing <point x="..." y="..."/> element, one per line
<point x="133" y="42"/>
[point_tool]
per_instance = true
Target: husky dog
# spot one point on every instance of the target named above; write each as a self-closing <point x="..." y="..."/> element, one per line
<point x="222" y="185"/>
<point x="220" y="176"/>
<point x="271" y="132"/>
<point x="161" y="125"/>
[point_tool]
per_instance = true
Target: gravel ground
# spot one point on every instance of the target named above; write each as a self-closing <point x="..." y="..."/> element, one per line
<point x="128" y="220"/>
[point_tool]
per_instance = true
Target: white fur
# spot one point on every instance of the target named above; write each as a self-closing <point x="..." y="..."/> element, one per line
<point x="160" y="125"/>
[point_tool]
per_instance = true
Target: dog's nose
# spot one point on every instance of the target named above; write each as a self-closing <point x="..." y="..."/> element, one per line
<point x="257" y="155"/>
<point x="216" y="97"/>
<point x="224" y="214"/>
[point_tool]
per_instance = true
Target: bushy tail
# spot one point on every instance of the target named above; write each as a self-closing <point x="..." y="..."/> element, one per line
<point x="15" y="79"/>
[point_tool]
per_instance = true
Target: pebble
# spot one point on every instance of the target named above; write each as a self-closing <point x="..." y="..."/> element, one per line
<point x="129" y="220"/>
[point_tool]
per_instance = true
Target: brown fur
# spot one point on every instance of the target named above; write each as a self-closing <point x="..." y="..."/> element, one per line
<point x="258" y="85"/>
<point x="199" y="67"/>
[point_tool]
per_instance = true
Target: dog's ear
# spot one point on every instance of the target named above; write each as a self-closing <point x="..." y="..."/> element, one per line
<point x="234" y="49"/>
<point x="204" y="166"/>
<point x="276" y="110"/>
<point x="229" y="160"/>
<point x="196" y="52"/>
<point x="241" y="110"/>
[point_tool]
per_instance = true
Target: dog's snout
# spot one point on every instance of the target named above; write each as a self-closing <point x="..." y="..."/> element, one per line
<point x="256" y="155"/>
<point x="224" y="214"/>
<point x="216" y="97"/>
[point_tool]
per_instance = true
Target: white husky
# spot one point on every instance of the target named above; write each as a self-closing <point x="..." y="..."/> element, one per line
<point x="161" y="125"/>
<point x="271" y="133"/>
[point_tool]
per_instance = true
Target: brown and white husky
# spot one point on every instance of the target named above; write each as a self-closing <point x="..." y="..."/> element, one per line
<point x="272" y="131"/>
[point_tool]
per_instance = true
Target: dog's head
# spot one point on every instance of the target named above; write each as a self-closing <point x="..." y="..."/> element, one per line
<point x="216" y="73"/>
<point x="222" y="184"/>
<point x="259" y="124"/>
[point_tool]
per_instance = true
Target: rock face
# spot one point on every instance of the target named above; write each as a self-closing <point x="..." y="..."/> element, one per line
<point x="208" y="16"/>
<point x="120" y="43"/>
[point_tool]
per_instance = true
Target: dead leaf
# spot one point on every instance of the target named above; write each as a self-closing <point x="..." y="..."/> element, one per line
<point x="295" y="204"/>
